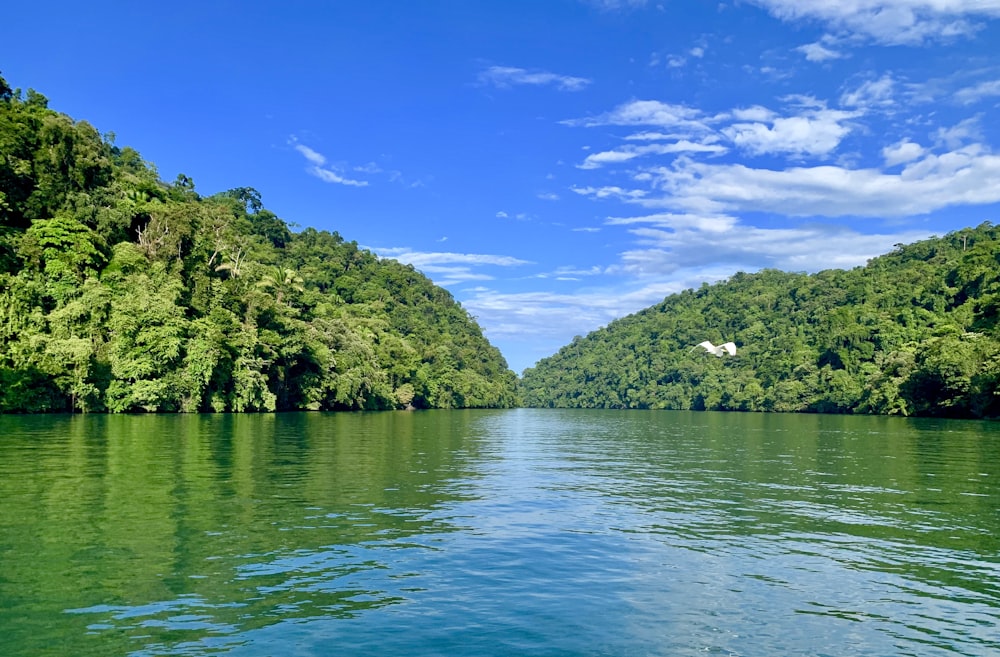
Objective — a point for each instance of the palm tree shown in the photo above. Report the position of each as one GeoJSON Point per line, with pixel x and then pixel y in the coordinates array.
{"type": "Point", "coordinates": [282, 280]}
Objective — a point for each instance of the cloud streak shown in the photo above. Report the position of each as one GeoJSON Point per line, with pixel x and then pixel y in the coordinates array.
{"type": "Point", "coordinates": [449, 268]}
{"type": "Point", "coordinates": [978, 92]}
{"type": "Point", "coordinates": [505, 77]}
{"type": "Point", "coordinates": [626, 153]}
{"type": "Point", "coordinates": [318, 167]}
{"type": "Point", "coordinates": [422, 258]}
{"type": "Point", "coordinates": [669, 249]}
{"type": "Point", "coordinates": [648, 113]}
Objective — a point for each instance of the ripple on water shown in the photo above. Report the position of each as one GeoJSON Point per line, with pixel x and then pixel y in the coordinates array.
{"type": "Point", "coordinates": [500, 532]}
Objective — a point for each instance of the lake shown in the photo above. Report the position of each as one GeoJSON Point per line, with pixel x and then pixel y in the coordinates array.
{"type": "Point", "coordinates": [515, 532]}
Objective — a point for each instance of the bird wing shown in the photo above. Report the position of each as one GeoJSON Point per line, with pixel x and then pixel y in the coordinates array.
{"type": "Point", "coordinates": [730, 347]}
{"type": "Point", "coordinates": [708, 346]}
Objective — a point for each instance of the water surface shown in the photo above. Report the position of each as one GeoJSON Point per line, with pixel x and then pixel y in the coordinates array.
{"type": "Point", "coordinates": [522, 532]}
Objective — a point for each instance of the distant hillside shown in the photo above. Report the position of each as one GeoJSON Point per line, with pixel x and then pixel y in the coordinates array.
{"type": "Point", "coordinates": [120, 292]}
{"type": "Point", "coordinates": [912, 333]}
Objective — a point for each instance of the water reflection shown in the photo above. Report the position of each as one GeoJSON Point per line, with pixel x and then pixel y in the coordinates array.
{"type": "Point", "coordinates": [150, 529]}
{"type": "Point", "coordinates": [878, 521]}
{"type": "Point", "coordinates": [506, 532]}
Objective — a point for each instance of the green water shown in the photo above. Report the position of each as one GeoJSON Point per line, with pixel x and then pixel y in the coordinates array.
{"type": "Point", "coordinates": [522, 532]}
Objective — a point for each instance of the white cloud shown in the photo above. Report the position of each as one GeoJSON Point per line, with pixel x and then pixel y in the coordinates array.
{"type": "Point", "coordinates": [813, 130]}
{"type": "Point", "coordinates": [422, 259]}
{"type": "Point", "coordinates": [648, 113]}
{"type": "Point", "coordinates": [749, 248]}
{"type": "Point", "coordinates": [817, 52]}
{"type": "Point", "coordinates": [501, 215]}
{"type": "Point", "coordinates": [871, 93]}
{"type": "Point", "coordinates": [610, 191]}
{"type": "Point", "coordinates": [445, 275]}
{"type": "Point", "coordinates": [548, 314]}
{"type": "Point", "coordinates": [803, 101]}
{"type": "Point", "coordinates": [596, 160]}
{"type": "Point", "coordinates": [978, 92]}
{"type": "Point", "coordinates": [317, 167]}
{"type": "Point", "coordinates": [548, 196]}
{"type": "Point", "coordinates": [504, 77]}
{"type": "Point", "coordinates": [811, 133]}
{"type": "Point", "coordinates": [960, 170]}
{"type": "Point", "coordinates": [575, 271]}
{"type": "Point", "coordinates": [903, 151]}
{"type": "Point", "coordinates": [616, 5]}
{"type": "Point", "coordinates": [708, 223]}
{"type": "Point", "coordinates": [772, 72]}
{"type": "Point", "coordinates": [959, 135]}
{"type": "Point", "coordinates": [327, 175]}
{"type": "Point", "coordinates": [754, 113]}
{"type": "Point", "coordinates": [960, 177]}
{"type": "Point", "coordinates": [890, 22]}
{"type": "Point", "coordinates": [311, 155]}
{"type": "Point", "coordinates": [653, 136]}
{"type": "Point", "coordinates": [447, 268]}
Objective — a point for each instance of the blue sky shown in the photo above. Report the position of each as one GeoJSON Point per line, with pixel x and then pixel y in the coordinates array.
{"type": "Point", "coordinates": [555, 164]}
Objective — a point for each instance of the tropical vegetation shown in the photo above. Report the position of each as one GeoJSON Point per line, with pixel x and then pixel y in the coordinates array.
{"type": "Point", "coordinates": [914, 332]}
{"type": "Point", "coordinates": [120, 292]}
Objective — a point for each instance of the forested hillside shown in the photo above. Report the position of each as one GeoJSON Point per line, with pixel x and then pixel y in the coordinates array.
{"type": "Point", "coordinates": [119, 292]}
{"type": "Point", "coordinates": [912, 333]}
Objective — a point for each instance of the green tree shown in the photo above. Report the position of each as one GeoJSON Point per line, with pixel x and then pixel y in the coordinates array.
{"type": "Point", "coordinates": [126, 293]}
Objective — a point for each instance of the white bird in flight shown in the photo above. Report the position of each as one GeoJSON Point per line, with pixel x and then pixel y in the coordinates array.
{"type": "Point", "coordinates": [718, 351]}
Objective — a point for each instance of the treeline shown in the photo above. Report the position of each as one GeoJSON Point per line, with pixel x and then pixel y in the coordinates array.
{"type": "Point", "coordinates": [121, 293]}
{"type": "Point", "coordinates": [912, 333]}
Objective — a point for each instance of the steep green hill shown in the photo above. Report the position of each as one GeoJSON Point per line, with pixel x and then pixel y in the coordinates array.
{"type": "Point", "coordinates": [119, 292]}
{"type": "Point", "coordinates": [913, 333]}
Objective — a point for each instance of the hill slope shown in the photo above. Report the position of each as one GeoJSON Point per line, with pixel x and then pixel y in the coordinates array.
{"type": "Point", "coordinates": [914, 333]}
{"type": "Point", "coordinates": [119, 292]}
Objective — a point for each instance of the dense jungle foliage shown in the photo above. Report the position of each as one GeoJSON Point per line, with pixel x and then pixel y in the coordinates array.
{"type": "Point", "coordinates": [912, 333]}
{"type": "Point", "coordinates": [119, 292]}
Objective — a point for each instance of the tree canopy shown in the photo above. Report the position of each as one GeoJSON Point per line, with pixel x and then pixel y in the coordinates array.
{"type": "Point", "coordinates": [120, 292]}
{"type": "Point", "coordinates": [913, 332]}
